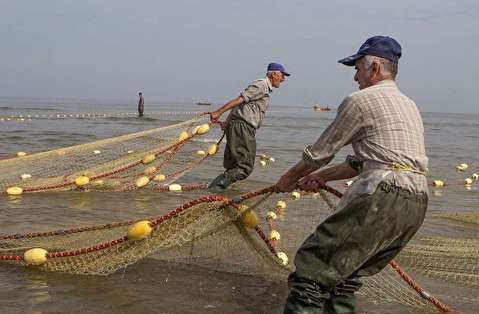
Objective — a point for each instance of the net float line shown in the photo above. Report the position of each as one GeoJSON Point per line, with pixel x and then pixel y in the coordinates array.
{"type": "Point", "coordinates": [155, 223]}
{"type": "Point", "coordinates": [89, 115]}
{"type": "Point", "coordinates": [175, 147]}
{"type": "Point", "coordinates": [111, 164]}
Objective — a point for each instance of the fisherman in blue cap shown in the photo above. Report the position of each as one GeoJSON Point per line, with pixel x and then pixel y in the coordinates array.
{"type": "Point", "coordinates": [246, 116]}
{"type": "Point", "coordinates": [384, 207]}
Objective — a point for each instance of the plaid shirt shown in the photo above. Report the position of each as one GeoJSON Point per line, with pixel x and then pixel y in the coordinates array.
{"type": "Point", "coordinates": [384, 127]}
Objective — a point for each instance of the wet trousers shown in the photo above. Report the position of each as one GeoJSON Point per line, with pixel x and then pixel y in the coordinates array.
{"type": "Point", "coordinates": [358, 240]}
{"type": "Point", "coordinates": [240, 153]}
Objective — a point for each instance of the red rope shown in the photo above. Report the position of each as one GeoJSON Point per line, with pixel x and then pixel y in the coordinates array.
{"type": "Point", "coordinates": [266, 240]}
{"type": "Point", "coordinates": [11, 258]}
{"type": "Point", "coordinates": [175, 146]}
{"type": "Point", "coordinates": [226, 202]}
{"type": "Point", "coordinates": [443, 307]}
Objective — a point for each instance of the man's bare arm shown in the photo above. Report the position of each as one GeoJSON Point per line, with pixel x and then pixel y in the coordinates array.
{"type": "Point", "coordinates": [337, 172]}
{"type": "Point", "coordinates": [289, 180]}
{"type": "Point", "coordinates": [313, 181]}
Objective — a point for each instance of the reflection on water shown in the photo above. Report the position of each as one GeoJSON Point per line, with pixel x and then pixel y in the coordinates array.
{"type": "Point", "coordinates": [15, 201]}
{"type": "Point", "coordinates": [144, 203]}
{"type": "Point", "coordinates": [81, 201]}
{"type": "Point", "coordinates": [36, 283]}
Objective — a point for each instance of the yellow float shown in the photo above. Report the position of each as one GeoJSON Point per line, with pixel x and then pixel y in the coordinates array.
{"type": "Point", "coordinates": [281, 205]}
{"type": "Point", "coordinates": [148, 158]}
{"type": "Point", "coordinates": [140, 230]}
{"type": "Point", "coordinates": [274, 235]}
{"type": "Point", "coordinates": [82, 180]}
{"type": "Point", "coordinates": [159, 178]}
{"type": "Point", "coordinates": [271, 215]}
{"type": "Point", "coordinates": [200, 152]}
{"type": "Point", "coordinates": [26, 176]}
{"type": "Point", "coordinates": [21, 154]}
{"type": "Point", "coordinates": [250, 219]}
{"type": "Point", "coordinates": [142, 181]}
{"type": "Point", "coordinates": [283, 257]}
{"type": "Point", "coordinates": [459, 168]}
{"type": "Point", "coordinates": [35, 257]}
{"type": "Point", "coordinates": [438, 183]}
{"type": "Point", "coordinates": [475, 176]}
{"type": "Point", "coordinates": [98, 183]}
{"type": "Point", "coordinates": [295, 195]}
{"type": "Point", "coordinates": [204, 128]}
{"type": "Point", "coordinates": [96, 152]}
{"type": "Point", "coordinates": [150, 170]}
{"type": "Point", "coordinates": [468, 181]}
{"type": "Point", "coordinates": [262, 163]}
{"type": "Point", "coordinates": [14, 190]}
{"type": "Point", "coordinates": [183, 136]}
{"type": "Point", "coordinates": [195, 129]}
{"type": "Point", "coordinates": [464, 166]}
{"type": "Point", "coordinates": [174, 188]}
{"type": "Point", "coordinates": [213, 149]}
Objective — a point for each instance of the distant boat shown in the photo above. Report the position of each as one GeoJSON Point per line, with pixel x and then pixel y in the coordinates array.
{"type": "Point", "coordinates": [203, 103]}
{"type": "Point", "coordinates": [318, 107]}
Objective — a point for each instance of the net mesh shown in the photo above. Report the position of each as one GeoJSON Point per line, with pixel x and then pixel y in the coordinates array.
{"type": "Point", "coordinates": [158, 157]}
{"type": "Point", "coordinates": [210, 231]}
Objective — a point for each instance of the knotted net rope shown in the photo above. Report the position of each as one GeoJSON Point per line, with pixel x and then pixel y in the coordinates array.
{"type": "Point", "coordinates": [210, 231]}
{"type": "Point", "coordinates": [215, 232]}
{"type": "Point", "coordinates": [149, 159]}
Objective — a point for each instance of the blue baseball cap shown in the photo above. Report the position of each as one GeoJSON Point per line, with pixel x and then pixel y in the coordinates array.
{"type": "Point", "coordinates": [379, 46]}
{"type": "Point", "coordinates": [277, 67]}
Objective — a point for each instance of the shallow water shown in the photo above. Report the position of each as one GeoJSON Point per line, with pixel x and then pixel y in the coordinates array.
{"type": "Point", "coordinates": [150, 286]}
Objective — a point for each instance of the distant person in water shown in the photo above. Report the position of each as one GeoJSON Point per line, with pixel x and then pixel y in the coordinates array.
{"type": "Point", "coordinates": [141, 105]}
{"type": "Point", "coordinates": [247, 113]}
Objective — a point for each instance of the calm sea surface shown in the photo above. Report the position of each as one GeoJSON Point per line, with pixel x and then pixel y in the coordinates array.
{"type": "Point", "coordinates": [148, 286]}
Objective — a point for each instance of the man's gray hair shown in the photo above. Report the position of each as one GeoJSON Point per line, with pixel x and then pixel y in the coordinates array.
{"type": "Point", "coordinates": [388, 67]}
{"type": "Point", "coordinates": [271, 72]}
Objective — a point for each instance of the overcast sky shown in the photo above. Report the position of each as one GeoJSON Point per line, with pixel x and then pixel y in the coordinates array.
{"type": "Point", "coordinates": [185, 51]}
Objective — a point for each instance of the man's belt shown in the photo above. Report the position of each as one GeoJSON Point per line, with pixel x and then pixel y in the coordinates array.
{"type": "Point", "coordinates": [394, 166]}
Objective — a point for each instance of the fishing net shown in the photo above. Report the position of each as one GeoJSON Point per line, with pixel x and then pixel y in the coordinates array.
{"type": "Point", "coordinates": [149, 159]}
{"type": "Point", "coordinates": [254, 233]}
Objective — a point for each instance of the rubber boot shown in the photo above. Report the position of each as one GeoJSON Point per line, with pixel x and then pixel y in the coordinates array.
{"type": "Point", "coordinates": [221, 182]}
{"type": "Point", "coordinates": [342, 300]}
{"type": "Point", "coordinates": [305, 297]}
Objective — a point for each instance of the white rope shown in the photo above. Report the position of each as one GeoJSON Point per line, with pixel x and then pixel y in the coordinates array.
{"type": "Point", "coordinates": [56, 116]}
